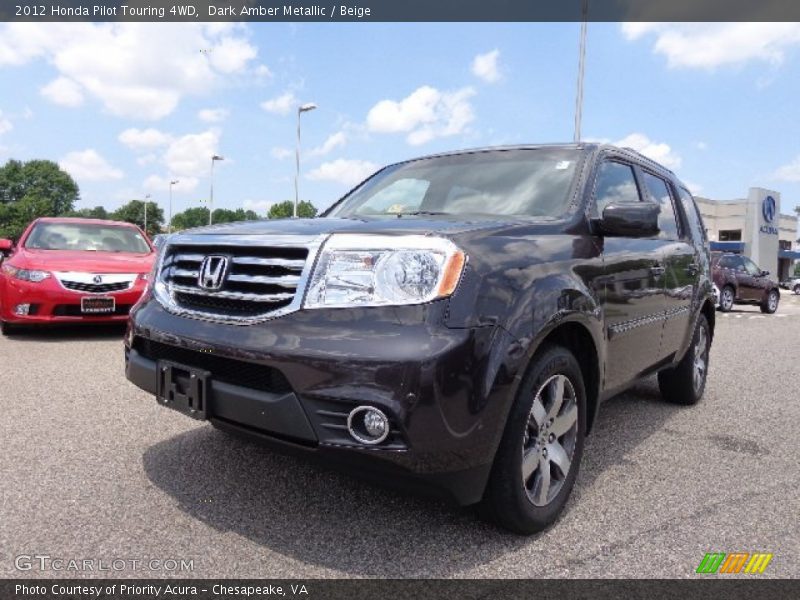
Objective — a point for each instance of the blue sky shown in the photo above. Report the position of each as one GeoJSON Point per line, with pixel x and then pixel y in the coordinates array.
{"type": "Point", "coordinates": [126, 107]}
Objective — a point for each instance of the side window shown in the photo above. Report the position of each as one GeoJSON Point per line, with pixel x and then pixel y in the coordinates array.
{"type": "Point", "coordinates": [727, 262]}
{"type": "Point", "coordinates": [751, 267]}
{"type": "Point", "coordinates": [692, 215]}
{"type": "Point", "coordinates": [615, 183]}
{"type": "Point", "coordinates": [659, 192]}
{"type": "Point", "coordinates": [737, 264]}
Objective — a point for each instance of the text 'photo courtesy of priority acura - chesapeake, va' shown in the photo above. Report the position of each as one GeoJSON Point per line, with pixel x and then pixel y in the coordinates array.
{"type": "Point", "coordinates": [452, 324]}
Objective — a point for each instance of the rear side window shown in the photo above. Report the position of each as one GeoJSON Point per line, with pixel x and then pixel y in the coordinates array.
{"type": "Point", "coordinates": [728, 262]}
{"type": "Point", "coordinates": [659, 192]}
{"type": "Point", "coordinates": [696, 226]}
{"type": "Point", "coordinates": [615, 183]}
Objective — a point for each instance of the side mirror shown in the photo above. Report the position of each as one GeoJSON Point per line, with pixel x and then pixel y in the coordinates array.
{"type": "Point", "coordinates": [6, 246]}
{"type": "Point", "coordinates": [630, 219]}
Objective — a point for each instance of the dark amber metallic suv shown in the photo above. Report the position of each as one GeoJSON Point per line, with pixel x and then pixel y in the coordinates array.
{"type": "Point", "coordinates": [453, 322]}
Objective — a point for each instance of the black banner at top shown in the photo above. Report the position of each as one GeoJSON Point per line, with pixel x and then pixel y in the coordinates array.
{"type": "Point", "coordinates": [400, 10]}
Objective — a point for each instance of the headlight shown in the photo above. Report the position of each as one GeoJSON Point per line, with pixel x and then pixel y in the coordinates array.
{"type": "Point", "coordinates": [378, 270]}
{"type": "Point", "coordinates": [25, 274]}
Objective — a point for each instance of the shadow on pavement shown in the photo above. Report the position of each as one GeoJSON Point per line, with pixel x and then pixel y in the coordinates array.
{"type": "Point", "coordinates": [332, 520]}
{"type": "Point", "coordinates": [78, 332]}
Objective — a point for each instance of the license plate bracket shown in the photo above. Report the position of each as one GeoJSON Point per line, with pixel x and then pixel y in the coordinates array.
{"type": "Point", "coordinates": [98, 305]}
{"type": "Point", "coordinates": [183, 388]}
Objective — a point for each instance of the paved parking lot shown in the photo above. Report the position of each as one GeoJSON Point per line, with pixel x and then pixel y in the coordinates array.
{"type": "Point", "coordinates": [92, 468]}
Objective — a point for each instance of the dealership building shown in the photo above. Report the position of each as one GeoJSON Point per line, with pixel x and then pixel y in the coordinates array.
{"type": "Point", "coordinates": [754, 227]}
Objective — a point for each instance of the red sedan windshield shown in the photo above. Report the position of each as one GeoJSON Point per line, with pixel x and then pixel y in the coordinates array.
{"type": "Point", "coordinates": [86, 236]}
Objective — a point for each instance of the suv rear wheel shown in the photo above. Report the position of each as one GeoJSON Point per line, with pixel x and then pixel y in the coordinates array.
{"type": "Point", "coordinates": [686, 382]}
{"type": "Point", "coordinates": [538, 458]}
{"type": "Point", "coordinates": [726, 298]}
{"type": "Point", "coordinates": [797, 289]}
{"type": "Point", "coordinates": [771, 304]}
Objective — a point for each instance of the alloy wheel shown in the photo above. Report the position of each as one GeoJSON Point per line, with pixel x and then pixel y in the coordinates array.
{"type": "Point", "coordinates": [700, 359]}
{"type": "Point", "coordinates": [772, 301]}
{"type": "Point", "coordinates": [726, 301]}
{"type": "Point", "coordinates": [549, 440]}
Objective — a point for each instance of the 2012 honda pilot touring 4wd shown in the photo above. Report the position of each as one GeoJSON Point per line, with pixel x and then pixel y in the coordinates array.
{"type": "Point", "coordinates": [454, 322]}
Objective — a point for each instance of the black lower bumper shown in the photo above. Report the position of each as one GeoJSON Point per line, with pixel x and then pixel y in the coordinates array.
{"type": "Point", "coordinates": [280, 420]}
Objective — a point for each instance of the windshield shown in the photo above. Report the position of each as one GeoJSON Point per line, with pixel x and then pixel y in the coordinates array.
{"type": "Point", "coordinates": [530, 182]}
{"type": "Point", "coordinates": [86, 236]}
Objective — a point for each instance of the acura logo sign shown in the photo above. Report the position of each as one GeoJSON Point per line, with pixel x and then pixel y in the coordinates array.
{"type": "Point", "coordinates": [97, 279]}
{"type": "Point", "coordinates": [769, 208]}
{"type": "Point", "coordinates": [212, 272]}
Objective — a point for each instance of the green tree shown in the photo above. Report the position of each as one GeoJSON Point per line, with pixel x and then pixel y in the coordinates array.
{"type": "Point", "coordinates": [32, 189]}
{"type": "Point", "coordinates": [224, 215]}
{"type": "Point", "coordinates": [133, 212]}
{"type": "Point", "coordinates": [285, 209]}
{"type": "Point", "coordinates": [191, 217]}
{"type": "Point", "coordinates": [98, 212]}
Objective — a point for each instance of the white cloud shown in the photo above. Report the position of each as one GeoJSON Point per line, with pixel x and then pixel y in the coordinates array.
{"type": "Point", "coordinates": [190, 155]}
{"type": "Point", "coordinates": [694, 187]}
{"type": "Point", "coordinates": [63, 91]}
{"type": "Point", "coordinates": [146, 159]}
{"type": "Point", "coordinates": [344, 171]}
{"type": "Point", "coordinates": [263, 72]}
{"type": "Point", "coordinates": [485, 67]}
{"type": "Point", "coordinates": [789, 172]}
{"type": "Point", "coordinates": [281, 153]}
{"type": "Point", "coordinates": [158, 183]}
{"type": "Point", "coordinates": [701, 145]}
{"type": "Point", "coordinates": [259, 206]}
{"type": "Point", "coordinates": [212, 115]}
{"type": "Point", "coordinates": [280, 105]}
{"type": "Point", "coordinates": [334, 141]}
{"type": "Point", "coordinates": [144, 139]}
{"type": "Point", "coordinates": [658, 151]}
{"type": "Point", "coordinates": [89, 165]}
{"type": "Point", "coordinates": [425, 114]}
{"type": "Point", "coordinates": [710, 45]}
{"type": "Point", "coordinates": [5, 124]}
{"type": "Point", "coordinates": [139, 70]}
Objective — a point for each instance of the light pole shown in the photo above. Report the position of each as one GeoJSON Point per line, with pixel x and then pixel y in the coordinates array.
{"type": "Point", "coordinates": [300, 110]}
{"type": "Point", "coordinates": [171, 183]}
{"type": "Point", "coordinates": [581, 61]}
{"type": "Point", "coordinates": [146, 198]}
{"type": "Point", "coordinates": [211, 195]}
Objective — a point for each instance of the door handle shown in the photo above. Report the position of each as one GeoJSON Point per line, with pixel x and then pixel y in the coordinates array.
{"type": "Point", "coordinates": [657, 270]}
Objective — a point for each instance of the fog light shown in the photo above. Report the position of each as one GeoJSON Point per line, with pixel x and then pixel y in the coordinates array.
{"type": "Point", "coordinates": [368, 425]}
{"type": "Point", "coordinates": [22, 309]}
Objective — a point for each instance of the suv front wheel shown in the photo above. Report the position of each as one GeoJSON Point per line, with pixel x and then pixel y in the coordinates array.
{"type": "Point", "coordinates": [538, 458]}
{"type": "Point", "coordinates": [771, 304]}
{"type": "Point", "coordinates": [726, 298]}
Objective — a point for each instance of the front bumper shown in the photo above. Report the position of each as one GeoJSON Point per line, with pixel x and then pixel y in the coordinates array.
{"type": "Point", "coordinates": [51, 303]}
{"type": "Point", "coordinates": [293, 381]}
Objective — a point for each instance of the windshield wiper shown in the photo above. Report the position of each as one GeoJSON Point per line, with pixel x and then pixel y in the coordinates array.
{"type": "Point", "coordinates": [422, 212]}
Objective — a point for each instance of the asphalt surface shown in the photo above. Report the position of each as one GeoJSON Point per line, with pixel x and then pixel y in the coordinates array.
{"type": "Point", "coordinates": [93, 469]}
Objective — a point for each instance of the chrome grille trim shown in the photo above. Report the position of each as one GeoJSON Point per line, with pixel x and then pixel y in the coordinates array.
{"type": "Point", "coordinates": [184, 265]}
{"type": "Point", "coordinates": [83, 283]}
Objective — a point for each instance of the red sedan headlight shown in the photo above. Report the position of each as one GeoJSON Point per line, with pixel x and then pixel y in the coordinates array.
{"type": "Point", "coordinates": [31, 275]}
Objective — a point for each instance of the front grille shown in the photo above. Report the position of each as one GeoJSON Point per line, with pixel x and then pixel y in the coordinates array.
{"type": "Point", "coordinates": [74, 310]}
{"type": "Point", "coordinates": [258, 281]}
{"type": "Point", "coordinates": [96, 288]}
{"type": "Point", "coordinates": [228, 370]}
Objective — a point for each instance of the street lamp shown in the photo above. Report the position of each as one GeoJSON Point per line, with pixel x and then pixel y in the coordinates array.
{"type": "Point", "coordinates": [171, 183]}
{"type": "Point", "coordinates": [300, 110]}
{"type": "Point", "coordinates": [211, 195]}
{"type": "Point", "coordinates": [146, 198]}
{"type": "Point", "coordinates": [581, 66]}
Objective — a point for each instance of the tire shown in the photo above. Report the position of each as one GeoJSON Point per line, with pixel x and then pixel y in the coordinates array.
{"type": "Point", "coordinates": [796, 289]}
{"type": "Point", "coordinates": [727, 295]}
{"type": "Point", "coordinates": [6, 328]}
{"type": "Point", "coordinates": [542, 431]}
{"type": "Point", "coordinates": [771, 304]}
{"type": "Point", "coordinates": [686, 382]}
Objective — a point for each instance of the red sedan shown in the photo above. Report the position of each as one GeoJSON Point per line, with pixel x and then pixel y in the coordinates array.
{"type": "Point", "coordinates": [73, 270]}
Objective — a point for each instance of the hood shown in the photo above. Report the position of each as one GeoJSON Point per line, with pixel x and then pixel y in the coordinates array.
{"type": "Point", "coordinates": [446, 225]}
{"type": "Point", "coordinates": [83, 261]}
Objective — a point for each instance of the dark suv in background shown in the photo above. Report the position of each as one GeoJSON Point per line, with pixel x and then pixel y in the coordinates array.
{"type": "Point", "coordinates": [741, 281]}
{"type": "Point", "coordinates": [453, 323]}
